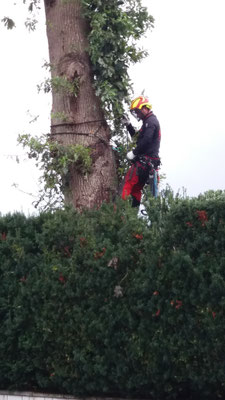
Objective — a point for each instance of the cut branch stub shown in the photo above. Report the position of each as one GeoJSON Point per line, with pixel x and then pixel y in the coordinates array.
{"type": "Point", "coordinates": [72, 66]}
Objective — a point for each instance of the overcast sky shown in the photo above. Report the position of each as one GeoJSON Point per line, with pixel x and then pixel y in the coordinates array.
{"type": "Point", "coordinates": [183, 77]}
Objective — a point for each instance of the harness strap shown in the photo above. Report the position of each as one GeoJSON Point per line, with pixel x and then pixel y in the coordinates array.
{"type": "Point", "coordinates": [131, 172]}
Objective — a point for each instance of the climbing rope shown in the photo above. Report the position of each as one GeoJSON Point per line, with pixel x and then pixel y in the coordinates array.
{"type": "Point", "coordinates": [95, 134]}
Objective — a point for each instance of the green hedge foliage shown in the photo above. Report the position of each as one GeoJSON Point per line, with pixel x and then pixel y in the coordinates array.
{"type": "Point", "coordinates": [107, 303]}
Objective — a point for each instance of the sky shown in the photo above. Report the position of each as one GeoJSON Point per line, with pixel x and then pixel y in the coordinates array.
{"type": "Point", "coordinates": [183, 76]}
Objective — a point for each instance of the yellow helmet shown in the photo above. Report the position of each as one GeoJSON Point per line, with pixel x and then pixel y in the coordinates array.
{"type": "Point", "coordinates": [140, 102]}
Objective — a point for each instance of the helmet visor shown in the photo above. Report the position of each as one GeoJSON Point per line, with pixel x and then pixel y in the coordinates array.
{"type": "Point", "coordinates": [136, 113]}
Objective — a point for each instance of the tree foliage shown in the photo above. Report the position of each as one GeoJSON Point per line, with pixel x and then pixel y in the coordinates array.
{"type": "Point", "coordinates": [54, 161]}
{"type": "Point", "coordinates": [115, 29]}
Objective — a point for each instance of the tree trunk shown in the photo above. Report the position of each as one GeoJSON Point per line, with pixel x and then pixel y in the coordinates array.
{"type": "Point", "coordinates": [85, 124]}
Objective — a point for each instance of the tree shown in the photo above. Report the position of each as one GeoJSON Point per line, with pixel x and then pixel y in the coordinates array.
{"type": "Point", "coordinates": [85, 124]}
{"type": "Point", "coordinates": [91, 45]}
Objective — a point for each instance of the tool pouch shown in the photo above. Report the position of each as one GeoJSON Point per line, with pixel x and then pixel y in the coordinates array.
{"type": "Point", "coordinates": [142, 172]}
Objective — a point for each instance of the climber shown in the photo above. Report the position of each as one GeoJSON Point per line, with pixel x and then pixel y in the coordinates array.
{"type": "Point", "coordinates": [146, 150]}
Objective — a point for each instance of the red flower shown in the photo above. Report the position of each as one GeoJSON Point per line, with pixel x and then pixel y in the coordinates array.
{"type": "Point", "coordinates": [100, 254]}
{"type": "Point", "coordinates": [179, 304]}
{"type": "Point", "coordinates": [138, 236]}
{"type": "Point", "coordinates": [157, 313]}
{"type": "Point", "coordinates": [213, 314]}
{"type": "Point", "coordinates": [3, 237]}
{"type": "Point", "coordinates": [67, 251]}
{"type": "Point", "coordinates": [202, 216]}
{"type": "Point", "coordinates": [156, 293]}
{"type": "Point", "coordinates": [189, 224]}
{"type": "Point", "coordinates": [83, 241]}
{"type": "Point", "coordinates": [62, 279]}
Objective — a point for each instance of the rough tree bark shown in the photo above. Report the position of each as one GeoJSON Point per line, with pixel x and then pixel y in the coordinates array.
{"type": "Point", "coordinates": [67, 38]}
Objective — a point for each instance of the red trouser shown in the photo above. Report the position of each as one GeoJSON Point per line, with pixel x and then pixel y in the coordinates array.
{"type": "Point", "coordinates": [132, 185]}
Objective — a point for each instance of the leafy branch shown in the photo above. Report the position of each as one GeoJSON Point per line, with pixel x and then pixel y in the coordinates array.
{"type": "Point", "coordinates": [8, 22]}
{"type": "Point", "coordinates": [60, 84]}
{"type": "Point", "coordinates": [55, 161]}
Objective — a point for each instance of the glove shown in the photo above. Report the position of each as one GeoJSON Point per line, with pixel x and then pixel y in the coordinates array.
{"type": "Point", "coordinates": [130, 155]}
{"type": "Point", "coordinates": [125, 120]}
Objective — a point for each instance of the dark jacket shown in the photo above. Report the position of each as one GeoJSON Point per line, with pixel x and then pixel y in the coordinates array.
{"type": "Point", "coordinates": [149, 137]}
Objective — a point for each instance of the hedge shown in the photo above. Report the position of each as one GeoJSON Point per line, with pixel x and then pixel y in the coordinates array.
{"type": "Point", "coordinates": [107, 303]}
